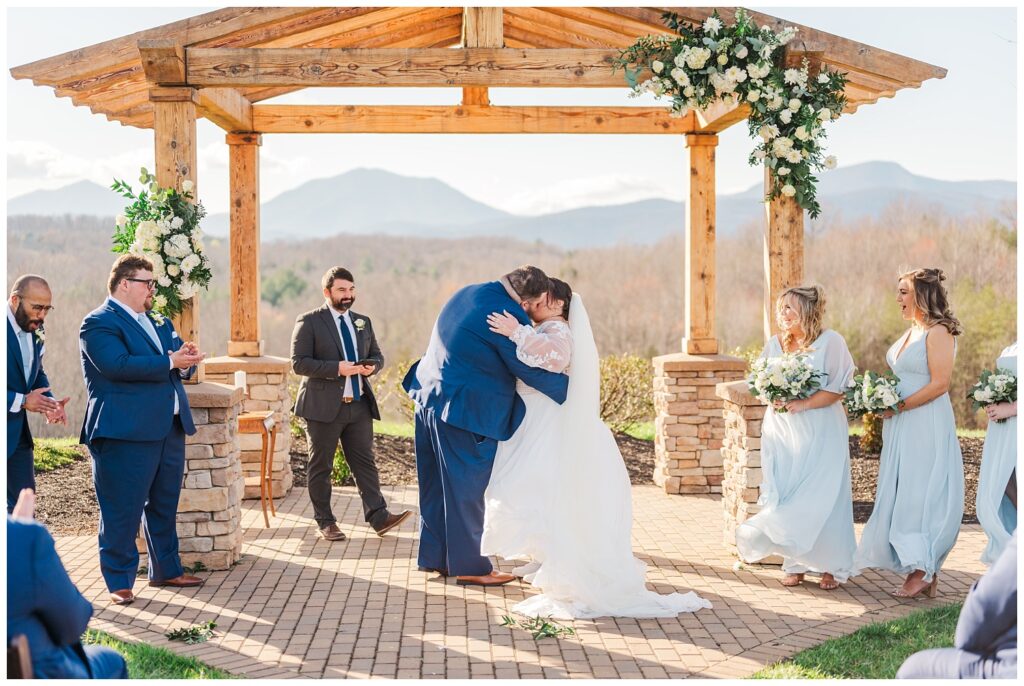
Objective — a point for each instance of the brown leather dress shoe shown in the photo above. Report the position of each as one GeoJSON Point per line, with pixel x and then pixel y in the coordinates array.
{"type": "Point", "coordinates": [331, 532]}
{"type": "Point", "coordinates": [122, 597]}
{"type": "Point", "coordinates": [392, 521]}
{"type": "Point", "coordinates": [492, 579]}
{"type": "Point", "coordinates": [183, 581]}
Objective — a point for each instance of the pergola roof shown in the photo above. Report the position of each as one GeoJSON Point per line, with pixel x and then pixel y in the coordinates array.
{"type": "Point", "coordinates": [110, 78]}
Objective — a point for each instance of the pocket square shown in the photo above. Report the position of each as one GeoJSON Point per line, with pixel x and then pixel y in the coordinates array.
{"type": "Point", "coordinates": [175, 335]}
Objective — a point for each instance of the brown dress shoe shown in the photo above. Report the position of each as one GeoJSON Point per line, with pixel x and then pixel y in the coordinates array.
{"type": "Point", "coordinates": [492, 579]}
{"type": "Point", "coordinates": [183, 581]}
{"type": "Point", "coordinates": [392, 521]}
{"type": "Point", "coordinates": [331, 532]}
{"type": "Point", "coordinates": [122, 597]}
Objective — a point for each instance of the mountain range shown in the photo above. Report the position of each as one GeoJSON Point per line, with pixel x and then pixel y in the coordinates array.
{"type": "Point", "coordinates": [371, 201]}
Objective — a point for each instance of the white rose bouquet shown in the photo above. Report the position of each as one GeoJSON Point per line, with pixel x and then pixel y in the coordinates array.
{"type": "Point", "coordinates": [783, 378]}
{"type": "Point", "coordinates": [871, 393]}
{"type": "Point", "coordinates": [994, 387]}
{"type": "Point", "coordinates": [162, 225]}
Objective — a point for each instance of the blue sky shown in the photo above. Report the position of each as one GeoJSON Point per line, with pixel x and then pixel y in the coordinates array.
{"type": "Point", "coordinates": [961, 127]}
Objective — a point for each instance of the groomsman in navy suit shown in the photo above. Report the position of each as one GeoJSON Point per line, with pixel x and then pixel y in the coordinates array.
{"type": "Point", "coordinates": [28, 389]}
{"type": "Point", "coordinates": [135, 425]}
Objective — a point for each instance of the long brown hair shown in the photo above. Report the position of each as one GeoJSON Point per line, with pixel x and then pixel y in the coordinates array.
{"type": "Point", "coordinates": [931, 298]}
{"type": "Point", "coordinates": [810, 303]}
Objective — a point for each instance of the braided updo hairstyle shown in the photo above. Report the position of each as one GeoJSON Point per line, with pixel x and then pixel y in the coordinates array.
{"type": "Point", "coordinates": [931, 298]}
{"type": "Point", "coordinates": [809, 301]}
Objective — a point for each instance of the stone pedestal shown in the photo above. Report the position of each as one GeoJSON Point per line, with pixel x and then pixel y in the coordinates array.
{"type": "Point", "coordinates": [210, 506]}
{"type": "Point", "coordinates": [741, 458]}
{"type": "Point", "coordinates": [688, 422]}
{"type": "Point", "coordinates": [266, 380]}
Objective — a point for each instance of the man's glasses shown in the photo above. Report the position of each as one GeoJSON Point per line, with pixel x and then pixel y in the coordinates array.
{"type": "Point", "coordinates": [150, 283]}
{"type": "Point", "coordinates": [38, 309]}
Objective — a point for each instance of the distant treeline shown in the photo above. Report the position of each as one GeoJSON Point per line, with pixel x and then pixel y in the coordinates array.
{"type": "Point", "coordinates": [634, 293]}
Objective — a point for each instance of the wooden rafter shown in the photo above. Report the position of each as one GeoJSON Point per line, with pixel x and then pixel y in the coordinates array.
{"type": "Point", "coordinates": [466, 119]}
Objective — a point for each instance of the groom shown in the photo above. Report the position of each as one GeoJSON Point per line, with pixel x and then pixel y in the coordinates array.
{"type": "Point", "coordinates": [464, 389]}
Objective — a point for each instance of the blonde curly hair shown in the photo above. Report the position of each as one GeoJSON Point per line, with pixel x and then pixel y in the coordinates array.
{"type": "Point", "coordinates": [809, 302]}
{"type": "Point", "coordinates": [931, 298]}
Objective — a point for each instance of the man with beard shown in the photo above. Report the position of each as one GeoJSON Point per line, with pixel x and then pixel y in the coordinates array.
{"type": "Point", "coordinates": [28, 389]}
{"type": "Point", "coordinates": [334, 350]}
{"type": "Point", "coordinates": [135, 425]}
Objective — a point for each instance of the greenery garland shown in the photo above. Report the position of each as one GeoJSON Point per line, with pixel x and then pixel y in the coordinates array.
{"type": "Point", "coordinates": [162, 225]}
{"type": "Point", "coordinates": [741, 63]}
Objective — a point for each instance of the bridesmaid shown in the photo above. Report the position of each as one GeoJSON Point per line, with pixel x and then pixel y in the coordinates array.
{"type": "Point", "coordinates": [920, 497]}
{"type": "Point", "coordinates": [807, 514]}
{"type": "Point", "coordinates": [996, 504]}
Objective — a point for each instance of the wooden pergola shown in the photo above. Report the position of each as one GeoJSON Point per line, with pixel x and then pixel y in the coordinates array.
{"type": "Point", "coordinates": [221, 65]}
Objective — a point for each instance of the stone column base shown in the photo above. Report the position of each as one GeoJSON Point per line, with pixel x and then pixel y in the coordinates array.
{"type": "Point", "coordinates": [688, 422]}
{"type": "Point", "coordinates": [266, 380]}
{"type": "Point", "coordinates": [741, 459]}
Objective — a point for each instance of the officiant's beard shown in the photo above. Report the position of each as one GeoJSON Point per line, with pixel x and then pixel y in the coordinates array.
{"type": "Point", "coordinates": [24, 319]}
{"type": "Point", "coordinates": [343, 304]}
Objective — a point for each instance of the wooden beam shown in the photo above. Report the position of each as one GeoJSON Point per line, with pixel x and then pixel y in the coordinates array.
{"type": "Point", "coordinates": [540, 21]}
{"type": "Point", "coordinates": [480, 97]}
{"type": "Point", "coordinates": [718, 116]}
{"type": "Point", "coordinates": [783, 251]}
{"type": "Point", "coordinates": [244, 278]}
{"type": "Point", "coordinates": [430, 67]}
{"type": "Point", "coordinates": [163, 61]}
{"type": "Point", "coordinates": [466, 119]}
{"type": "Point", "coordinates": [481, 28]}
{"type": "Point", "coordinates": [225, 107]}
{"type": "Point", "coordinates": [699, 324]}
{"type": "Point", "coordinates": [174, 112]}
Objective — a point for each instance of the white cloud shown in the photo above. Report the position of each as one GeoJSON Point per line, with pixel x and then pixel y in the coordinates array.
{"type": "Point", "coordinates": [582, 192]}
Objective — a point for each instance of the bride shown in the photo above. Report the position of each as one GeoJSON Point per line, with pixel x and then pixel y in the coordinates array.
{"type": "Point", "coordinates": [559, 493]}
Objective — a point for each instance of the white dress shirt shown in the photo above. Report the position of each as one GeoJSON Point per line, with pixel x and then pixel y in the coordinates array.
{"type": "Point", "coordinates": [147, 325]}
{"type": "Point", "coordinates": [27, 351]}
{"type": "Point", "coordinates": [347, 393]}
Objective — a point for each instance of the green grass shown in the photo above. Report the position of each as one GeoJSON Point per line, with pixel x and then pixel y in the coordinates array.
{"type": "Point", "coordinates": [402, 429]}
{"type": "Point", "coordinates": [643, 431]}
{"type": "Point", "coordinates": [54, 453]}
{"type": "Point", "coordinates": [147, 662]}
{"type": "Point", "coordinates": [873, 652]}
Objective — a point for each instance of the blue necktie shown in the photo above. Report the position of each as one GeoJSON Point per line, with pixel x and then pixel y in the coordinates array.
{"type": "Point", "coordinates": [350, 353]}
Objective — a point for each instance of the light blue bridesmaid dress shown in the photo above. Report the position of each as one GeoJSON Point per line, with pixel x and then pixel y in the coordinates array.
{"type": "Point", "coordinates": [807, 503]}
{"type": "Point", "coordinates": [919, 503]}
{"type": "Point", "coordinates": [997, 515]}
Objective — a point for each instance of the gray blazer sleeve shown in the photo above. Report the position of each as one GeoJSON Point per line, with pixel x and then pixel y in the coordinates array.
{"type": "Point", "coordinates": [991, 605]}
{"type": "Point", "coordinates": [303, 349]}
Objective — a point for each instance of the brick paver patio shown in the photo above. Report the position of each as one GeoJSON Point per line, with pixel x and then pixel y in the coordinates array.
{"type": "Point", "coordinates": [297, 606]}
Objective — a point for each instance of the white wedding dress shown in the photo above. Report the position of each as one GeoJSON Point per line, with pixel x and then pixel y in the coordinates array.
{"type": "Point", "coordinates": [559, 494]}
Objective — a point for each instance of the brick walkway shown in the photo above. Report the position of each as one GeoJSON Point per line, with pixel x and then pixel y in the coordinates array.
{"type": "Point", "coordinates": [297, 606]}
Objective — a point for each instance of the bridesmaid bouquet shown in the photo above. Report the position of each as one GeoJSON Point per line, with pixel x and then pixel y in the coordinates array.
{"type": "Point", "coordinates": [994, 387]}
{"type": "Point", "coordinates": [783, 378]}
{"type": "Point", "coordinates": [871, 393]}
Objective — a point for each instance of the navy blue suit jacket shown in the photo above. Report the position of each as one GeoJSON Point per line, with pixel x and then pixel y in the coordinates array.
{"type": "Point", "coordinates": [130, 383]}
{"type": "Point", "coordinates": [467, 377]}
{"type": "Point", "coordinates": [17, 383]}
{"type": "Point", "coordinates": [43, 603]}
{"type": "Point", "coordinates": [988, 619]}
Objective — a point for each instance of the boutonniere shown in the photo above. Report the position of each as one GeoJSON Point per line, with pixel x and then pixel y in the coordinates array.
{"type": "Point", "coordinates": [40, 335]}
{"type": "Point", "coordinates": [360, 324]}
{"type": "Point", "coordinates": [157, 318]}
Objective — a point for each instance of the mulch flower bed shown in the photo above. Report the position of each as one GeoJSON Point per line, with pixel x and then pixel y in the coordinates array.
{"type": "Point", "coordinates": [66, 500]}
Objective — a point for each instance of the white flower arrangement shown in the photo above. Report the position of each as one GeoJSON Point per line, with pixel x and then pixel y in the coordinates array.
{"type": "Point", "coordinates": [360, 324]}
{"type": "Point", "coordinates": [785, 378]}
{"type": "Point", "coordinates": [157, 318]}
{"type": "Point", "coordinates": [41, 335]}
{"type": "Point", "coordinates": [992, 388]}
{"type": "Point", "coordinates": [871, 393]}
{"type": "Point", "coordinates": [747, 67]}
{"type": "Point", "coordinates": [162, 225]}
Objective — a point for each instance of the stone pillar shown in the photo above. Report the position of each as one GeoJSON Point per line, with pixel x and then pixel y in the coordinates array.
{"type": "Point", "coordinates": [210, 507]}
{"type": "Point", "coordinates": [741, 458]}
{"type": "Point", "coordinates": [266, 389]}
{"type": "Point", "coordinates": [688, 423]}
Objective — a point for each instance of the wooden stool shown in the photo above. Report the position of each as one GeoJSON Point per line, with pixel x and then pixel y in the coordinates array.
{"type": "Point", "coordinates": [262, 423]}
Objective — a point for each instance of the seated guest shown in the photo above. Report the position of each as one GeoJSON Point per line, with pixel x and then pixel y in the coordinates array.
{"type": "Point", "coordinates": [44, 605]}
{"type": "Point", "coordinates": [985, 646]}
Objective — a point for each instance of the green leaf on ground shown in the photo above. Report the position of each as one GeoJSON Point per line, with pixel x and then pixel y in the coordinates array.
{"type": "Point", "coordinates": [197, 633]}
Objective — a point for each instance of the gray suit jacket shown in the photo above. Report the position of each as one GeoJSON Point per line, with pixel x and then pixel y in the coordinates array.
{"type": "Point", "coordinates": [988, 620]}
{"type": "Point", "coordinates": [316, 351]}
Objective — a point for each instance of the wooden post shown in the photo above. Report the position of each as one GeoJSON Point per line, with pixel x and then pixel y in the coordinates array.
{"type": "Point", "coordinates": [244, 288]}
{"type": "Point", "coordinates": [700, 248]}
{"type": "Point", "coordinates": [482, 27]}
{"type": "Point", "coordinates": [174, 118]}
{"type": "Point", "coordinates": [783, 251]}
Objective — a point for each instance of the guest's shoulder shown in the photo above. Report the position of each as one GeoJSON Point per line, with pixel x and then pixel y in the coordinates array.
{"type": "Point", "coordinates": [309, 314]}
